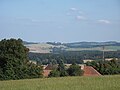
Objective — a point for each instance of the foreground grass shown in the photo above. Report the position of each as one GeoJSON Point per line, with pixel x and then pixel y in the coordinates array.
{"type": "Point", "coordinates": [65, 83]}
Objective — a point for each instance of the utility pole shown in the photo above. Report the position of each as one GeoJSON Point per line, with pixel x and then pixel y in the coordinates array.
{"type": "Point", "coordinates": [103, 53]}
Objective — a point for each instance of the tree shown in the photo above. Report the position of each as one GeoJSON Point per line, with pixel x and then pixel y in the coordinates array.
{"type": "Point", "coordinates": [54, 73]}
{"type": "Point", "coordinates": [75, 70]}
{"type": "Point", "coordinates": [61, 68]}
{"type": "Point", "coordinates": [106, 67]}
{"type": "Point", "coordinates": [60, 71]}
{"type": "Point", "coordinates": [14, 63]}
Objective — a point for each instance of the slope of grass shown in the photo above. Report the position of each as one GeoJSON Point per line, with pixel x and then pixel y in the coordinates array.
{"type": "Point", "coordinates": [65, 83]}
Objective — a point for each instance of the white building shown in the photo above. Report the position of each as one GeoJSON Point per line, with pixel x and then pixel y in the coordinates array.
{"type": "Point", "coordinates": [87, 60]}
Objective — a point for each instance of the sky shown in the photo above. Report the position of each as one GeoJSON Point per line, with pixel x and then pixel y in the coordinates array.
{"type": "Point", "coordinates": [60, 20]}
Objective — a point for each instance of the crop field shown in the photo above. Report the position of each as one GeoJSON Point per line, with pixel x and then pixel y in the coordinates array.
{"type": "Point", "coordinates": [40, 48]}
{"type": "Point", "coordinates": [64, 83]}
{"type": "Point", "coordinates": [107, 48]}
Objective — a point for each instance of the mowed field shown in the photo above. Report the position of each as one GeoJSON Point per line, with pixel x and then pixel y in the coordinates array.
{"type": "Point", "coordinates": [64, 83]}
{"type": "Point", "coordinates": [39, 48]}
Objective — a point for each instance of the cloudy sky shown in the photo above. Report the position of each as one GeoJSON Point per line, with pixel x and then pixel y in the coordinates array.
{"type": "Point", "coordinates": [60, 20]}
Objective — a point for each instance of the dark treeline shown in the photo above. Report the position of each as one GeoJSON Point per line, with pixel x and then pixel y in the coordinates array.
{"type": "Point", "coordinates": [72, 56]}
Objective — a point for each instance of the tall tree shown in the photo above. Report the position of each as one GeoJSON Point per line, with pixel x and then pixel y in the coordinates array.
{"type": "Point", "coordinates": [75, 70]}
{"type": "Point", "coordinates": [61, 68]}
{"type": "Point", "coordinates": [14, 63]}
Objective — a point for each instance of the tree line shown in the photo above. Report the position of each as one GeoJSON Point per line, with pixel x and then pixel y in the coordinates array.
{"type": "Point", "coordinates": [72, 56]}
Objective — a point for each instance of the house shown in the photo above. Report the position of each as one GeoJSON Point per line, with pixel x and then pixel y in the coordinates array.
{"type": "Point", "coordinates": [81, 65]}
{"type": "Point", "coordinates": [46, 73]}
{"type": "Point", "coordinates": [31, 61]}
{"type": "Point", "coordinates": [88, 70]}
{"type": "Point", "coordinates": [109, 59]}
{"type": "Point", "coordinates": [87, 60]}
{"type": "Point", "coordinates": [47, 69]}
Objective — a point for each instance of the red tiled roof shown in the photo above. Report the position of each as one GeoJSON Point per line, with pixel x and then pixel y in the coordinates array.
{"type": "Point", "coordinates": [49, 67]}
{"type": "Point", "coordinates": [90, 71]}
{"type": "Point", "coordinates": [46, 73]}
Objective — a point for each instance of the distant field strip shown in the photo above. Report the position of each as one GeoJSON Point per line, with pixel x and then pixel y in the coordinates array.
{"type": "Point", "coordinates": [47, 48]}
{"type": "Point", "coordinates": [40, 48]}
{"type": "Point", "coordinates": [64, 83]}
{"type": "Point", "coordinates": [107, 48]}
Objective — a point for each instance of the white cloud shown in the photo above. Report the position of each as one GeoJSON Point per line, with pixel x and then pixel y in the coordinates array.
{"type": "Point", "coordinates": [104, 21]}
{"type": "Point", "coordinates": [73, 9]}
{"type": "Point", "coordinates": [76, 10]}
{"type": "Point", "coordinates": [81, 18]}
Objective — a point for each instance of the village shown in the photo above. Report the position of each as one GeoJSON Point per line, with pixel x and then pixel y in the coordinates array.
{"type": "Point", "coordinates": [88, 70]}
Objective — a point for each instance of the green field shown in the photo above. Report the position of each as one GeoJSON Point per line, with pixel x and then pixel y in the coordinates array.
{"type": "Point", "coordinates": [107, 48]}
{"type": "Point", "coordinates": [65, 83]}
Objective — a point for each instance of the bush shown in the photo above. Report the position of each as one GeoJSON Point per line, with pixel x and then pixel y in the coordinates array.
{"type": "Point", "coordinates": [54, 73]}
{"type": "Point", "coordinates": [75, 70]}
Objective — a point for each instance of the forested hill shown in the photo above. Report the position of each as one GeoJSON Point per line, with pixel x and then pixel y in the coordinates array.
{"type": "Point", "coordinates": [92, 44]}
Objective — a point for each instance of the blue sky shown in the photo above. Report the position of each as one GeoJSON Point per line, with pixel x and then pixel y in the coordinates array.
{"type": "Point", "coordinates": [60, 20]}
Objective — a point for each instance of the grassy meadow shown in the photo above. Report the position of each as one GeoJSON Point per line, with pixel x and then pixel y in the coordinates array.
{"type": "Point", "coordinates": [64, 83]}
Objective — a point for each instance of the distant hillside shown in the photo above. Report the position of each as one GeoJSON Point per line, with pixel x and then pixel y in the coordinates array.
{"type": "Point", "coordinates": [91, 44]}
{"type": "Point", "coordinates": [25, 42]}
{"type": "Point", "coordinates": [57, 47]}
